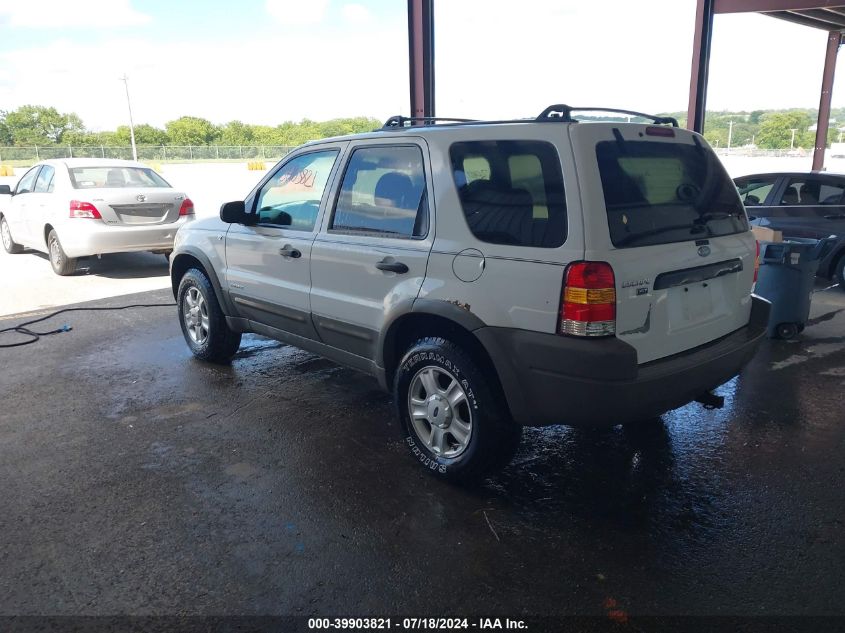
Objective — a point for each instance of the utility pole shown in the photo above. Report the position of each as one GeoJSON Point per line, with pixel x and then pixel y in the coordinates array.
{"type": "Point", "coordinates": [125, 81]}
{"type": "Point", "coordinates": [730, 132]}
{"type": "Point", "coordinates": [792, 140]}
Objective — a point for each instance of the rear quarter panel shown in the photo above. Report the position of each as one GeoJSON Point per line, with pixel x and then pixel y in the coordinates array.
{"type": "Point", "coordinates": [518, 286]}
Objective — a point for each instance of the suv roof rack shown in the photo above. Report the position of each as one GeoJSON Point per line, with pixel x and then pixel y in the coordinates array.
{"type": "Point", "coordinates": [563, 113]}
{"type": "Point", "coordinates": [401, 121]}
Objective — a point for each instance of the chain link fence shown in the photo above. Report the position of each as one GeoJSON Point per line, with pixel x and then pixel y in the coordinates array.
{"type": "Point", "coordinates": [159, 153]}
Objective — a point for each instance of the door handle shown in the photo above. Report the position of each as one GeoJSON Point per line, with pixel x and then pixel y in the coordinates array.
{"type": "Point", "coordinates": [835, 216]}
{"type": "Point", "coordinates": [392, 267]}
{"type": "Point", "coordinates": [289, 251]}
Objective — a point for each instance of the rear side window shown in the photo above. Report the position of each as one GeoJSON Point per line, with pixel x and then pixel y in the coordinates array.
{"type": "Point", "coordinates": [659, 193]}
{"type": "Point", "coordinates": [116, 177]}
{"type": "Point", "coordinates": [511, 192]}
{"type": "Point", "coordinates": [807, 192]}
{"type": "Point", "coordinates": [383, 193]}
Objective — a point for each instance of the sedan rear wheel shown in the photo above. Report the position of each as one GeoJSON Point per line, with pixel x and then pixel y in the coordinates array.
{"type": "Point", "coordinates": [61, 263]}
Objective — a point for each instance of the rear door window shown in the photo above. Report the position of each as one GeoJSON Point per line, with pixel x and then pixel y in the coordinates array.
{"type": "Point", "coordinates": [659, 193]}
{"type": "Point", "coordinates": [809, 191]}
{"type": "Point", "coordinates": [383, 193]}
{"type": "Point", "coordinates": [511, 192]}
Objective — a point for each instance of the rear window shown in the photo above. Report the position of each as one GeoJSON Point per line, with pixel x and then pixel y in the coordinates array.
{"type": "Point", "coordinates": [511, 192]}
{"type": "Point", "coordinates": [115, 177]}
{"type": "Point", "coordinates": [659, 193]}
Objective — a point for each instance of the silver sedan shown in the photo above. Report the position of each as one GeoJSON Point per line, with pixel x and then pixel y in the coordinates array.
{"type": "Point", "coordinates": [80, 207]}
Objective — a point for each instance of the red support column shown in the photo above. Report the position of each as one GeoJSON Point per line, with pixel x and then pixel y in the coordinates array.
{"type": "Point", "coordinates": [834, 40]}
{"type": "Point", "coordinates": [700, 65]}
{"type": "Point", "coordinates": [421, 56]}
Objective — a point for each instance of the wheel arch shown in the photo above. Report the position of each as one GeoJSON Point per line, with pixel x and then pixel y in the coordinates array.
{"type": "Point", "coordinates": [434, 318]}
{"type": "Point", "coordinates": [47, 228]}
{"type": "Point", "coordinates": [184, 261]}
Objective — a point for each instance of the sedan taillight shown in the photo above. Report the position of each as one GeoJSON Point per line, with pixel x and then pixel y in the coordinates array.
{"type": "Point", "coordinates": [187, 207]}
{"type": "Point", "coordinates": [84, 210]}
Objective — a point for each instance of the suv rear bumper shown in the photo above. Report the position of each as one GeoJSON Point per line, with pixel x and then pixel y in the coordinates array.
{"type": "Point", "coordinates": [551, 379]}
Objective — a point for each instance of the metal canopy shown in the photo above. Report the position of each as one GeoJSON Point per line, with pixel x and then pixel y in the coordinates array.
{"type": "Point", "coordinates": [828, 15]}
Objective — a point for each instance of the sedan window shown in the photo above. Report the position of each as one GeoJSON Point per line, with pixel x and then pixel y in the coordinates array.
{"type": "Point", "coordinates": [44, 182]}
{"type": "Point", "coordinates": [115, 177]}
{"type": "Point", "coordinates": [806, 192]}
{"type": "Point", "coordinates": [754, 192]}
{"type": "Point", "coordinates": [27, 182]}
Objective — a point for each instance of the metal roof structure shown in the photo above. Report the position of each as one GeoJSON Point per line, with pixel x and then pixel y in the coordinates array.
{"type": "Point", "coordinates": [828, 15]}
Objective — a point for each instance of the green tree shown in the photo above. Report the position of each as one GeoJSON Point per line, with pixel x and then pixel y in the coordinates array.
{"type": "Point", "coordinates": [39, 125]}
{"type": "Point", "coordinates": [144, 135]}
{"type": "Point", "coordinates": [190, 130]}
{"type": "Point", "coordinates": [236, 133]}
{"type": "Point", "coordinates": [776, 129]}
{"type": "Point", "coordinates": [5, 134]}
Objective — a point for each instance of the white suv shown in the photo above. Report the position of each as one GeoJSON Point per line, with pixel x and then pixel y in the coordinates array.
{"type": "Point", "coordinates": [490, 274]}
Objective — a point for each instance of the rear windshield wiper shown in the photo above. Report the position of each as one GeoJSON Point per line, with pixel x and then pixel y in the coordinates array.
{"type": "Point", "coordinates": [635, 237]}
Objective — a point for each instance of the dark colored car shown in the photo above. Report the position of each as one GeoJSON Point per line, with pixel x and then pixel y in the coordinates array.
{"type": "Point", "coordinates": [800, 204]}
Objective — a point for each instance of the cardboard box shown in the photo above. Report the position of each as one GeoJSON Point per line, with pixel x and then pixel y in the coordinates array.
{"type": "Point", "coordinates": [765, 234]}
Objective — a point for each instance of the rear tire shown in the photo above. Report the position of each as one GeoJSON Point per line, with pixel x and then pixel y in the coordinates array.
{"type": "Point", "coordinates": [11, 247]}
{"type": "Point", "coordinates": [61, 263]}
{"type": "Point", "coordinates": [840, 272]}
{"type": "Point", "coordinates": [453, 417]}
{"type": "Point", "coordinates": [203, 322]}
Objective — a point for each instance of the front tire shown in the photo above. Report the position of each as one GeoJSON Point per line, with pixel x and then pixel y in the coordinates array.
{"type": "Point", "coordinates": [453, 416]}
{"type": "Point", "coordinates": [11, 247]}
{"type": "Point", "coordinates": [203, 322]}
{"type": "Point", "coordinates": [61, 263]}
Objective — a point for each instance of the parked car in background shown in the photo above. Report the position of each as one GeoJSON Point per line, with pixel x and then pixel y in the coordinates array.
{"type": "Point", "coordinates": [800, 204]}
{"type": "Point", "coordinates": [490, 275]}
{"type": "Point", "coordinates": [79, 207]}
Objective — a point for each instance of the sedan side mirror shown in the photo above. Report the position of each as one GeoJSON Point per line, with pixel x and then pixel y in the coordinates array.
{"type": "Point", "coordinates": [235, 213]}
{"type": "Point", "coordinates": [5, 190]}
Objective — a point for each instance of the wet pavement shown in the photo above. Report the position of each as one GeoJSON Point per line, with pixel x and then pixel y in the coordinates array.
{"type": "Point", "coordinates": [137, 480]}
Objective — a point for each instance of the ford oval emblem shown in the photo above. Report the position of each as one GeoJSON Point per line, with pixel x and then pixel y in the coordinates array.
{"type": "Point", "coordinates": [704, 251]}
{"type": "Point", "coordinates": [141, 197]}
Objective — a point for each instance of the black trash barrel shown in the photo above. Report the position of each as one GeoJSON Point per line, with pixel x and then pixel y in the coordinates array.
{"type": "Point", "coordinates": [787, 274]}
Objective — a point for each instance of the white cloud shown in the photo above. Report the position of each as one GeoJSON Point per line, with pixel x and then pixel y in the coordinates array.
{"type": "Point", "coordinates": [297, 12]}
{"type": "Point", "coordinates": [70, 13]}
{"type": "Point", "coordinates": [357, 14]}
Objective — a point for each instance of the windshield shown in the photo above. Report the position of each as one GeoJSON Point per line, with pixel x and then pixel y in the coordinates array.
{"type": "Point", "coordinates": [659, 193]}
{"type": "Point", "coordinates": [115, 177]}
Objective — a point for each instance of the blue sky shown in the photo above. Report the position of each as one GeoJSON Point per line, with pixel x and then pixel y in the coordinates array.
{"type": "Point", "coordinates": [266, 61]}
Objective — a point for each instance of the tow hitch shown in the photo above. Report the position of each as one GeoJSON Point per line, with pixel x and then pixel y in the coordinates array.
{"type": "Point", "coordinates": [711, 400]}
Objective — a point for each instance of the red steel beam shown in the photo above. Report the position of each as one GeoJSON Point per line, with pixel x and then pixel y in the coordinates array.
{"type": "Point", "coordinates": [421, 56]}
{"type": "Point", "coordinates": [700, 65]}
{"type": "Point", "coordinates": [834, 40]}
{"type": "Point", "coordinates": [762, 6]}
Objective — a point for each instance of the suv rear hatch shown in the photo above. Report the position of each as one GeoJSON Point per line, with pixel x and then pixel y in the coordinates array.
{"type": "Point", "coordinates": [661, 210]}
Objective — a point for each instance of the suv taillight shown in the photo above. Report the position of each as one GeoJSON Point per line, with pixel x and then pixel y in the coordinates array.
{"type": "Point", "coordinates": [187, 207]}
{"type": "Point", "coordinates": [588, 306]}
{"type": "Point", "coordinates": [84, 210]}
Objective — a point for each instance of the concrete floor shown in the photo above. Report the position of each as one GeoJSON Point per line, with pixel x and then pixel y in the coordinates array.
{"type": "Point", "coordinates": [136, 480]}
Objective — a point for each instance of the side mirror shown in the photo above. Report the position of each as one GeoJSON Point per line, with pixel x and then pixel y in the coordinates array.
{"type": "Point", "coordinates": [5, 190]}
{"type": "Point", "coordinates": [235, 213]}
